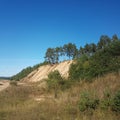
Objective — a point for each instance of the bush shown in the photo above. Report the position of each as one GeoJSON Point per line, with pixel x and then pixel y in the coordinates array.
{"type": "Point", "coordinates": [55, 75]}
{"type": "Point", "coordinates": [65, 84]}
{"type": "Point", "coordinates": [107, 101]}
{"type": "Point", "coordinates": [53, 81]}
{"type": "Point", "coordinates": [116, 102]}
{"type": "Point", "coordinates": [80, 69]}
{"type": "Point", "coordinates": [56, 82]}
{"type": "Point", "coordinates": [101, 62]}
{"type": "Point", "coordinates": [87, 102]}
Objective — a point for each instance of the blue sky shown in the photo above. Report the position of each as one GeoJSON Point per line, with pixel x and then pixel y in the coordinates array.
{"type": "Point", "coordinates": [29, 27]}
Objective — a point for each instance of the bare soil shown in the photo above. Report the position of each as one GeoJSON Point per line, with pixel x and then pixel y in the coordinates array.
{"type": "Point", "coordinates": [4, 84]}
{"type": "Point", "coordinates": [42, 72]}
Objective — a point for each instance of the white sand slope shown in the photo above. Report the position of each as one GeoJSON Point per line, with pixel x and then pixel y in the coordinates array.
{"type": "Point", "coordinates": [43, 71]}
{"type": "Point", "coordinates": [4, 84]}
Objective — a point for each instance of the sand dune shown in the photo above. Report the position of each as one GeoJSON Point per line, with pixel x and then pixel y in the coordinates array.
{"type": "Point", "coordinates": [43, 71]}
{"type": "Point", "coordinates": [3, 84]}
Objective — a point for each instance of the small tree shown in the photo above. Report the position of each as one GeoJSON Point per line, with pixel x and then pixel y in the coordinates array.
{"type": "Point", "coordinates": [50, 55]}
{"type": "Point", "coordinates": [104, 41]}
{"type": "Point", "coordinates": [115, 38]}
{"type": "Point", "coordinates": [53, 81]}
{"type": "Point", "coordinates": [70, 50]}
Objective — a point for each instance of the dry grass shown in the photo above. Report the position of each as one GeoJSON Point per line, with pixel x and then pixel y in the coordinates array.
{"type": "Point", "coordinates": [18, 103]}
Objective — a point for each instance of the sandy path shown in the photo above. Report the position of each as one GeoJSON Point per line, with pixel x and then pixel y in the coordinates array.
{"type": "Point", "coordinates": [4, 84]}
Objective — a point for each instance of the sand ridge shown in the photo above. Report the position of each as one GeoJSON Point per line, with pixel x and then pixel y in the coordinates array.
{"type": "Point", "coordinates": [43, 71]}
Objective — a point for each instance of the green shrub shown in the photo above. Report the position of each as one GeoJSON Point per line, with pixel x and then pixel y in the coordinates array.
{"type": "Point", "coordinates": [53, 81]}
{"type": "Point", "coordinates": [87, 102]}
{"type": "Point", "coordinates": [80, 69]}
{"type": "Point", "coordinates": [55, 75]}
{"type": "Point", "coordinates": [56, 82]}
{"type": "Point", "coordinates": [65, 84]}
{"type": "Point", "coordinates": [107, 100]}
{"type": "Point", "coordinates": [101, 62]}
{"type": "Point", "coordinates": [116, 102]}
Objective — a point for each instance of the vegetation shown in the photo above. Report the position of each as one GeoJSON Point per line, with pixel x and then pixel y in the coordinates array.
{"type": "Point", "coordinates": [93, 64]}
{"type": "Point", "coordinates": [53, 81]}
{"type": "Point", "coordinates": [53, 55]}
{"type": "Point", "coordinates": [4, 78]}
{"type": "Point", "coordinates": [87, 102]}
{"type": "Point", "coordinates": [74, 98]}
{"type": "Point", "coordinates": [92, 60]}
{"type": "Point", "coordinates": [20, 102]}
{"type": "Point", "coordinates": [56, 82]}
{"type": "Point", "coordinates": [22, 74]}
{"type": "Point", "coordinates": [26, 71]}
{"type": "Point", "coordinates": [116, 102]}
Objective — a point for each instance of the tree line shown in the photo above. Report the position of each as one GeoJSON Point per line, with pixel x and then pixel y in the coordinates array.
{"type": "Point", "coordinates": [70, 51]}
{"type": "Point", "coordinates": [90, 63]}
{"type": "Point", "coordinates": [53, 55]}
{"type": "Point", "coordinates": [105, 59]}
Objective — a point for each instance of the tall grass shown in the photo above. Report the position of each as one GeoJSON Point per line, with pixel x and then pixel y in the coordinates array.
{"type": "Point", "coordinates": [18, 102]}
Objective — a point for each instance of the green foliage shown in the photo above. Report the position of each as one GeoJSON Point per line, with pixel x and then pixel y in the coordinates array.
{"type": "Point", "coordinates": [4, 78]}
{"type": "Point", "coordinates": [70, 50]}
{"type": "Point", "coordinates": [26, 71]}
{"type": "Point", "coordinates": [111, 102]}
{"type": "Point", "coordinates": [50, 55]}
{"type": "Point", "coordinates": [92, 60]}
{"type": "Point", "coordinates": [116, 102]}
{"type": "Point", "coordinates": [38, 65]}
{"type": "Point", "coordinates": [87, 102]}
{"type": "Point", "coordinates": [22, 74]}
{"type": "Point", "coordinates": [103, 61]}
{"type": "Point", "coordinates": [104, 41]}
{"type": "Point", "coordinates": [79, 70]}
{"type": "Point", "coordinates": [55, 75]}
{"type": "Point", "coordinates": [115, 37]}
{"type": "Point", "coordinates": [114, 48]}
{"type": "Point", "coordinates": [56, 82]}
{"type": "Point", "coordinates": [53, 81]}
{"type": "Point", "coordinates": [65, 84]}
{"type": "Point", "coordinates": [106, 102]}
{"type": "Point", "coordinates": [106, 60]}
{"type": "Point", "coordinates": [53, 55]}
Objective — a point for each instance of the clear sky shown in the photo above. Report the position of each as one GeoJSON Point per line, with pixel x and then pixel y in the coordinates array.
{"type": "Point", "coordinates": [29, 27]}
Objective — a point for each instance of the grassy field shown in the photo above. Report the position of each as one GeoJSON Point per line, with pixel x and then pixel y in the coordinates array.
{"type": "Point", "coordinates": [33, 102]}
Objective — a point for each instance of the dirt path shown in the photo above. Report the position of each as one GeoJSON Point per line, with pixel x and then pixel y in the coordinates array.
{"type": "Point", "coordinates": [4, 84]}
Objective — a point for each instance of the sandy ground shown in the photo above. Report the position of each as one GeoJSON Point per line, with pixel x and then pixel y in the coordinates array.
{"type": "Point", "coordinates": [4, 84]}
{"type": "Point", "coordinates": [43, 71]}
